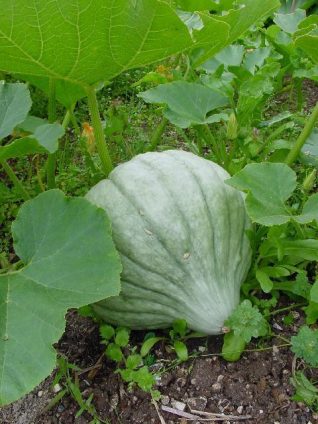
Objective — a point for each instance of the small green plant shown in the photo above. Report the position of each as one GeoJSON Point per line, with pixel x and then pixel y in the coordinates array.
{"type": "Point", "coordinates": [66, 376]}
{"type": "Point", "coordinates": [244, 323]}
{"type": "Point", "coordinates": [305, 391]}
{"type": "Point", "coordinates": [305, 345]}
{"type": "Point", "coordinates": [130, 364]}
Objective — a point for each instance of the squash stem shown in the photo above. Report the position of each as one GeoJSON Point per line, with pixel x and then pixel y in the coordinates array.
{"type": "Point", "coordinates": [157, 134]}
{"type": "Point", "coordinates": [51, 161]}
{"type": "Point", "coordinates": [15, 180]}
{"type": "Point", "coordinates": [101, 145]}
{"type": "Point", "coordinates": [309, 126]}
{"type": "Point", "coordinates": [65, 124]}
{"type": "Point", "coordinates": [211, 140]}
{"type": "Point", "coordinates": [75, 123]}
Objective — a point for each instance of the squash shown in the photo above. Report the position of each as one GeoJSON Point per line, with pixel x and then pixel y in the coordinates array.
{"type": "Point", "coordinates": [180, 231]}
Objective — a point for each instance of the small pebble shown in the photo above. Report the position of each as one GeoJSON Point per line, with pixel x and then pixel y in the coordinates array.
{"type": "Point", "coordinates": [277, 327]}
{"type": "Point", "coordinates": [113, 402]}
{"type": "Point", "coordinates": [275, 350]}
{"type": "Point", "coordinates": [240, 409]}
{"type": "Point", "coordinates": [216, 387]}
{"type": "Point", "coordinates": [180, 406]}
{"type": "Point", "coordinates": [198, 403]}
{"type": "Point", "coordinates": [165, 400]}
{"type": "Point", "coordinates": [181, 382]}
{"type": "Point", "coordinates": [201, 349]}
{"type": "Point", "coordinates": [60, 408]}
{"type": "Point", "coordinates": [57, 388]}
{"type": "Point", "coordinates": [40, 393]}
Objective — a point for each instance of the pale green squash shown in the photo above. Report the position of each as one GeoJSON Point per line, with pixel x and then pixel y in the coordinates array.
{"type": "Point", "coordinates": [180, 231]}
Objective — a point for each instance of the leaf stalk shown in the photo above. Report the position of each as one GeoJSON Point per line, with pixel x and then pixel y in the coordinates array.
{"type": "Point", "coordinates": [301, 140]}
{"type": "Point", "coordinates": [100, 140]}
{"type": "Point", "coordinates": [51, 160]}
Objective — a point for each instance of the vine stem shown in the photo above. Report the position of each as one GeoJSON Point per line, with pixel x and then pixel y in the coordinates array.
{"type": "Point", "coordinates": [157, 134]}
{"type": "Point", "coordinates": [287, 308]}
{"type": "Point", "coordinates": [309, 126]}
{"type": "Point", "coordinates": [15, 180]}
{"type": "Point", "coordinates": [51, 160]}
{"type": "Point", "coordinates": [65, 124]}
{"type": "Point", "coordinates": [101, 145]}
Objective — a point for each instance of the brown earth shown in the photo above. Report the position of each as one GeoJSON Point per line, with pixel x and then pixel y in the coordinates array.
{"type": "Point", "coordinates": [257, 386]}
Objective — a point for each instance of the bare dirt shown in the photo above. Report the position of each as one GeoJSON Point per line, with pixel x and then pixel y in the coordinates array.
{"type": "Point", "coordinates": [257, 386]}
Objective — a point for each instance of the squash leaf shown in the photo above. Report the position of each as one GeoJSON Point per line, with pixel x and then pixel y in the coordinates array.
{"type": "Point", "coordinates": [187, 103]}
{"type": "Point", "coordinates": [308, 42]}
{"type": "Point", "coordinates": [269, 186]}
{"type": "Point", "coordinates": [81, 43]}
{"type": "Point", "coordinates": [70, 261]}
{"type": "Point", "coordinates": [15, 103]}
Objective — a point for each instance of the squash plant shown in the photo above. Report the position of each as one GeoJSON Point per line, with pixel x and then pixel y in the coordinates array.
{"type": "Point", "coordinates": [65, 244]}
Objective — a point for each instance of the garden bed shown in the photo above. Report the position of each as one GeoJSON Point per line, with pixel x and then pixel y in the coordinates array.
{"type": "Point", "coordinates": [257, 386]}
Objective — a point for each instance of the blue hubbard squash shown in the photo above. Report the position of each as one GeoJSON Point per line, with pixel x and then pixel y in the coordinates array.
{"type": "Point", "coordinates": [180, 231]}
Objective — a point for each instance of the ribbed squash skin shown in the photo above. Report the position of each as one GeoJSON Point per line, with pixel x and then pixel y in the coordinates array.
{"type": "Point", "coordinates": [180, 232]}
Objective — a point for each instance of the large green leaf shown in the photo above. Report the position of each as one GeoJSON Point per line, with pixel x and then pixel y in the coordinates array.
{"type": "Point", "coordinates": [250, 12]}
{"type": "Point", "coordinates": [289, 22]}
{"type": "Point", "coordinates": [209, 40]}
{"type": "Point", "coordinates": [269, 186]}
{"type": "Point", "coordinates": [21, 147]}
{"type": "Point", "coordinates": [15, 103]}
{"type": "Point", "coordinates": [67, 93]}
{"type": "Point", "coordinates": [188, 103]}
{"type": "Point", "coordinates": [309, 43]}
{"type": "Point", "coordinates": [230, 56]}
{"type": "Point", "coordinates": [70, 261]}
{"type": "Point", "coordinates": [43, 140]}
{"type": "Point", "coordinates": [195, 5]}
{"type": "Point", "coordinates": [237, 22]}
{"type": "Point", "coordinates": [302, 249]}
{"type": "Point", "coordinates": [85, 42]}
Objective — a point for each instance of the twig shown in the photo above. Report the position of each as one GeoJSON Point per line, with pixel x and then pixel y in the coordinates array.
{"type": "Point", "coordinates": [224, 417]}
{"type": "Point", "coordinates": [94, 369]}
{"type": "Point", "coordinates": [179, 413]}
{"type": "Point", "coordinates": [162, 421]}
{"type": "Point", "coordinates": [197, 415]}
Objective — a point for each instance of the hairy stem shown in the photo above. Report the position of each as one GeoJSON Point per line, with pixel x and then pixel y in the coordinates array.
{"type": "Point", "coordinates": [15, 180]}
{"type": "Point", "coordinates": [309, 126]}
{"type": "Point", "coordinates": [65, 124]}
{"type": "Point", "coordinates": [157, 134]}
{"type": "Point", "coordinates": [51, 161]}
{"type": "Point", "coordinates": [101, 145]}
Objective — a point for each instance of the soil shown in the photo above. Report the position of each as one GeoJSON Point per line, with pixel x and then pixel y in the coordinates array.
{"type": "Point", "coordinates": [257, 386]}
